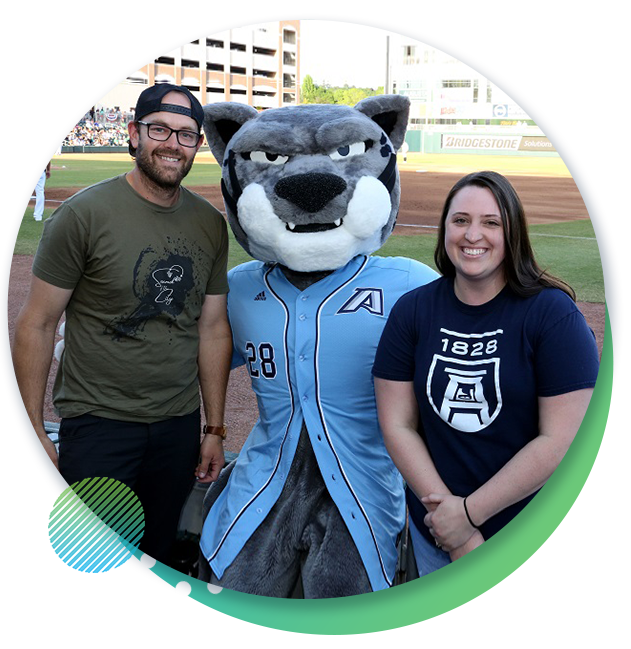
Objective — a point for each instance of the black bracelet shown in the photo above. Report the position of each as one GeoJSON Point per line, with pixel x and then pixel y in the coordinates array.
{"type": "Point", "coordinates": [466, 511]}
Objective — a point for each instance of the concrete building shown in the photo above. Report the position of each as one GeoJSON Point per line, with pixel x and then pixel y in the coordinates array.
{"type": "Point", "coordinates": [257, 65]}
{"type": "Point", "coordinates": [444, 91]}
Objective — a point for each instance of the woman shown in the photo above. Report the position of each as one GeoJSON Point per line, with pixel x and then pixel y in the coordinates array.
{"type": "Point", "coordinates": [493, 364]}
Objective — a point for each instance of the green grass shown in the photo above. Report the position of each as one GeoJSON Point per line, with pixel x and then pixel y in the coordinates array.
{"type": "Point", "coordinates": [577, 261]}
{"type": "Point", "coordinates": [81, 173]}
{"type": "Point", "coordinates": [78, 173]}
{"type": "Point", "coordinates": [583, 228]}
{"type": "Point", "coordinates": [419, 247]}
{"type": "Point", "coordinates": [571, 254]}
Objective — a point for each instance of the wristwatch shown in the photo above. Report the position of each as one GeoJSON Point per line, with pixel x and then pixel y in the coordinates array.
{"type": "Point", "coordinates": [220, 431]}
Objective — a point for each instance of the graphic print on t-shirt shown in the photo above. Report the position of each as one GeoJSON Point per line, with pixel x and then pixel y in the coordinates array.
{"type": "Point", "coordinates": [165, 278]}
{"type": "Point", "coordinates": [161, 285]}
{"type": "Point", "coordinates": [463, 382]}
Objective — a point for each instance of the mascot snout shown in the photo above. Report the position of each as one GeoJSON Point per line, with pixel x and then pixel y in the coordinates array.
{"type": "Point", "coordinates": [310, 192]}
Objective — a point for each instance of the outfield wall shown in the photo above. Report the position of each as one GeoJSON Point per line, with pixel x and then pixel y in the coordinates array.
{"type": "Point", "coordinates": [107, 149]}
{"type": "Point", "coordinates": [470, 143]}
{"type": "Point", "coordinates": [473, 143]}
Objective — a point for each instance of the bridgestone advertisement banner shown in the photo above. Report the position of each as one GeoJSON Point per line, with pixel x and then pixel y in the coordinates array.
{"type": "Point", "coordinates": [495, 143]}
{"type": "Point", "coordinates": [536, 143]}
{"type": "Point", "coordinates": [483, 142]}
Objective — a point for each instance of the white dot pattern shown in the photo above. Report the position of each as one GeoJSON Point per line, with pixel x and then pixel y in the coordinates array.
{"type": "Point", "coordinates": [183, 589]}
{"type": "Point", "coordinates": [147, 562]}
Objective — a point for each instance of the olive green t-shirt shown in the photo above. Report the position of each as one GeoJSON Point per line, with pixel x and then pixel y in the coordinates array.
{"type": "Point", "coordinates": [139, 273]}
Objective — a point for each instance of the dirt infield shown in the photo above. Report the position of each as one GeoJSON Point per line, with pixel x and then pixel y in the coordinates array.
{"type": "Point", "coordinates": [546, 199]}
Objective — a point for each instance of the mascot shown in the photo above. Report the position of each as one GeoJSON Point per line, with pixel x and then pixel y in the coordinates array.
{"type": "Point", "coordinates": [313, 501]}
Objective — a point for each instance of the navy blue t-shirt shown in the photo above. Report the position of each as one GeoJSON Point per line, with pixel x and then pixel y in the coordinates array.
{"type": "Point", "coordinates": [478, 372]}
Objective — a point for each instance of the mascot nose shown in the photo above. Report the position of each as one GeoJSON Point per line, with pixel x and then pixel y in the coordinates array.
{"type": "Point", "coordinates": [312, 191]}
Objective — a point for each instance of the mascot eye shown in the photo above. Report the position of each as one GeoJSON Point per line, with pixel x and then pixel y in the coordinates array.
{"type": "Point", "coordinates": [268, 158]}
{"type": "Point", "coordinates": [349, 151]}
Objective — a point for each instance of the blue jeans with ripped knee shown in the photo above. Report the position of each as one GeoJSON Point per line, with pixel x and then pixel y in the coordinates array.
{"type": "Point", "coordinates": [545, 576]}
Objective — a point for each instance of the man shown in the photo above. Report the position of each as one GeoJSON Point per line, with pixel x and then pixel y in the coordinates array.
{"type": "Point", "coordinates": [138, 263]}
{"type": "Point", "coordinates": [30, 149]}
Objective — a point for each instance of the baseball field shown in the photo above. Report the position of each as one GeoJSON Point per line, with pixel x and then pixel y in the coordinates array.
{"type": "Point", "coordinates": [561, 232]}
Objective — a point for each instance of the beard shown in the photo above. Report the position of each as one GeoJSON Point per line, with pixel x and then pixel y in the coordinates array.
{"type": "Point", "coordinates": [164, 178]}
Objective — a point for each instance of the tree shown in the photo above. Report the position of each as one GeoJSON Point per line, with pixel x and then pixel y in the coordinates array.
{"type": "Point", "coordinates": [308, 90]}
{"type": "Point", "coordinates": [325, 94]}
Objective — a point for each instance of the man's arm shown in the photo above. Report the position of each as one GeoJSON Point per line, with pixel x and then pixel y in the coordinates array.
{"type": "Point", "coordinates": [215, 352]}
{"type": "Point", "coordinates": [33, 346]}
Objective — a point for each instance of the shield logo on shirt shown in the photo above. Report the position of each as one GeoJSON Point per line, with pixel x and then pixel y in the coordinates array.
{"type": "Point", "coordinates": [465, 394]}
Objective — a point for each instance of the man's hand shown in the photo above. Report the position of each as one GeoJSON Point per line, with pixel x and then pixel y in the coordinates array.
{"type": "Point", "coordinates": [30, 466]}
{"type": "Point", "coordinates": [211, 459]}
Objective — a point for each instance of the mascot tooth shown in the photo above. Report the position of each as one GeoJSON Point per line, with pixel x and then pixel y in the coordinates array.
{"type": "Point", "coordinates": [313, 505]}
{"type": "Point", "coordinates": [274, 240]}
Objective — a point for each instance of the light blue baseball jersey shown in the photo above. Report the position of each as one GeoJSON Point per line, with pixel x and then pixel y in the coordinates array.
{"type": "Point", "coordinates": [310, 355]}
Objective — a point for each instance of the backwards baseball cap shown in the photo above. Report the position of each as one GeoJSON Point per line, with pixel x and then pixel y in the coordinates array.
{"type": "Point", "coordinates": [150, 101]}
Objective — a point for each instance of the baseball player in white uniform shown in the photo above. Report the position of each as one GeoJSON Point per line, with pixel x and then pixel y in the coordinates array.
{"type": "Point", "coordinates": [30, 149]}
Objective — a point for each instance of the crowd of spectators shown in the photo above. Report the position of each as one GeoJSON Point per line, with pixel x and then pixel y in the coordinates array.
{"type": "Point", "coordinates": [100, 127]}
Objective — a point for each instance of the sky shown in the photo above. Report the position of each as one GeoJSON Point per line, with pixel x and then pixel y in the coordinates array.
{"type": "Point", "coordinates": [340, 53]}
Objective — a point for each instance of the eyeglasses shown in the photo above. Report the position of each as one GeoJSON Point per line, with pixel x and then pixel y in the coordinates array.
{"type": "Point", "coordinates": [162, 133]}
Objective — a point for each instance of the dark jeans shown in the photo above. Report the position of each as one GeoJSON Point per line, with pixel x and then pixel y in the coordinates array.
{"type": "Point", "coordinates": [157, 461]}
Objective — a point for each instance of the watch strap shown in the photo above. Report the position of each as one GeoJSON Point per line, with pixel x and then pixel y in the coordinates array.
{"type": "Point", "coordinates": [220, 431]}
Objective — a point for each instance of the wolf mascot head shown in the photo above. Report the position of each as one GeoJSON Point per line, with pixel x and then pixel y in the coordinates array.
{"type": "Point", "coordinates": [310, 187]}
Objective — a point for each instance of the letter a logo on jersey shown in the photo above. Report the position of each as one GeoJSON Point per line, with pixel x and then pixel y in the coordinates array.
{"type": "Point", "coordinates": [370, 299]}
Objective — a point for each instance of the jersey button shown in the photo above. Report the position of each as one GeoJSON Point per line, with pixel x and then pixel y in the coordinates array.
{"type": "Point", "coordinates": [302, 316]}
{"type": "Point", "coordinates": [301, 357]}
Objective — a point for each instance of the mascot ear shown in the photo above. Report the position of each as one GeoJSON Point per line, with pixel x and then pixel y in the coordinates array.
{"type": "Point", "coordinates": [390, 112]}
{"type": "Point", "coordinates": [221, 121]}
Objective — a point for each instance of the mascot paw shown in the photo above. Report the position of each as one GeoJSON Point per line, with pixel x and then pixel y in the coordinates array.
{"type": "Point", "coordinates": [59, 347]}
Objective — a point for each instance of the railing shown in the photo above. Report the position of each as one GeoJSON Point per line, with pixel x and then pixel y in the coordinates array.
{"type": "Point", "coordinates": [100, 117]}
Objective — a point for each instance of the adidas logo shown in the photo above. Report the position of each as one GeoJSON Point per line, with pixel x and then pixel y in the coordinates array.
{"type": "Point", "coordinates": [260, 296]}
